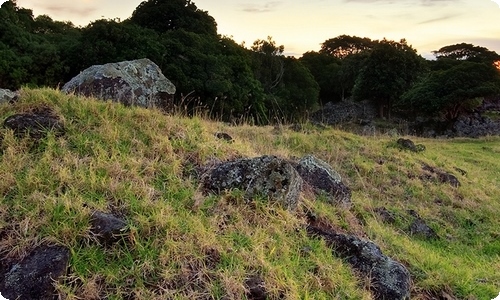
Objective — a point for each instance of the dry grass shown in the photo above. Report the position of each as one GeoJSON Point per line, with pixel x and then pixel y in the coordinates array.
{"type": "Point", "coordinates": [141, 165]}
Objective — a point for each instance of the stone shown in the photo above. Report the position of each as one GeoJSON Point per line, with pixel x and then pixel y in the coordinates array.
{"type": "Point", "coordinates": [344, 112]}
{"type": "Point", "coordinates": [137, 82]}
{"type": "Point", "coordinates": [324, 180]}
{"type": "Point", "coordinates": [389, 279]}
{"type": "Point", "coordinates": [256, 289]}
{"type": "Point", "coordinates": [267, 176]}
{"type": "Point", "coordinates": [106, 227]}
{"type": "Point", "coordinates": [385, 215]}
{"type": "Point", "coordinates": [33, 277]}
{"type": "Point", "coordinates": [8, 96]}
{"type": "Point", "coordinates": [442, 176]}
{"type": "Point", "coordinates": [224, 136]}
{"type": "Point", "coordinates": [35, 124]}
{"type": "Point", "coordinates": [408, 144]}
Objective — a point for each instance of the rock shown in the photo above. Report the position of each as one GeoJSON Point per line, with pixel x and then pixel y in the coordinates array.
{"type": "Point", "coordinates": [35, 124]}
{"type": "Point", "coordinates": [8, 96]}
{"type": "Point", "coordinates": [345, 111]}
{"type": "Point", "coordinates": [323, 179]}
{"type": "Point", "coordinates": [137, 82]}
{"type": "Point", "coordinates": [441, 175]}
{"type": "Point", "coordinates": [267, 176]}
{"type": "Point", "coordinates": [256, 289]}
{"type": "Point", "coordinates": [389, 279]}
{"type": "Point", "coordinates": [385, 215]}
{"type": "Point", "coordinates": [224, 136]}
{"type": "Point", "coordinates": [33, 277]}
{"type": "Point", "coordinates": [106, 227]}
{"type": "Point", "coordinates": [408, 144]}
{"type": "Point", "coordinates": [419, 228]}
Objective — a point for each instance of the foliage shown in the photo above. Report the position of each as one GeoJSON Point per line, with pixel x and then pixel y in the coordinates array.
{"type": "Point", "coordinates": [345, 45]}
{"type": "Point", "coordinates": [469, 52]}
{"type": "Point", "coordinates": [453, 91]}
{"type": "Point", "coordinates": [166, 15]}
{"type": "Point", "coordinates": [390, 69]}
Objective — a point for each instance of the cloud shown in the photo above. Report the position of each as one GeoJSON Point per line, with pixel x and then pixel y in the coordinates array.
{"type": "Point", "coordinates": [261, 8]}
{"type": "Point", "coordinates": [79, 11]}
{"type": "Point", "coordinates": [438, 19]}
{"type": "Point", "coordinates": [418, 2]}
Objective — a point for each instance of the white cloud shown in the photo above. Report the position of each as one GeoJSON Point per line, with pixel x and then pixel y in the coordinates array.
{"type": "Point", "coordinates": [497, 2]}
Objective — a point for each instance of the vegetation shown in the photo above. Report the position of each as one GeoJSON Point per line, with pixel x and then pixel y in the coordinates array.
{"type": "Point", "coordinates": [232, 82]}
{"type": "Point", "coordinates": [180, 244]}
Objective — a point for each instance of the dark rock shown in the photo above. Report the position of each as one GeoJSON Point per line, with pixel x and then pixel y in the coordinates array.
{"type": "Point", "coordinates": [224, 136]}
{"type": "Point", "coordinates": [137, 82]}
{"type": "Point", "coordinates": [323, 179]}
{"type": "Point", "coordinates": [107, 228]}
{"type": "Point", "coordinates": [267, 176]}
{"type": "Point", "coordinates": [35, 124]}
{"type": "Point", "coordinates": [408, 144]}
{"type": "Point", "coordinates": [386, 215]}
{"type": "Point", "coordinates": [256, 289]}
{"type": "Point", "coordinates": [345, 111]}
{"type": "Point", "coordinates": [441, 176]}
{"type": "Point", "coordinates": [389, 279]}
{"type": "Point", "coordinates": [419, 228]}
{"type": "Point", "coordinates": [33, 277]}
{"type": "Point", "coordinates": [8, 96]}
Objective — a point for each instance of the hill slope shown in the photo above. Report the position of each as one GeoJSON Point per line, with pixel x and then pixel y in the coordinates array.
{"type": "Point", "coordinates": [180, 244]}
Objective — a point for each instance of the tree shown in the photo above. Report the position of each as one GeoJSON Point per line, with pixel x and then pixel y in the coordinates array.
{"type": "Point", "coordinates": [390, 70]}
{"type": "Point", "coordinates": [345, 45]}
{"type": "Point", "coordinates": [468, 52]}
{"type": "Point", "coordinates": [325, 69]}
{"type": "Point", "coordinates": [449, 93]}
{"type": "Point", "coordinates": [268, 63]}
{"type": "Point", "coordinates": [165, 15]}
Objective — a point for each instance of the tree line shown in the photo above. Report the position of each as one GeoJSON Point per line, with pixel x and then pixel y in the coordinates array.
{"type": "Point", "coordinates": [231, 82]}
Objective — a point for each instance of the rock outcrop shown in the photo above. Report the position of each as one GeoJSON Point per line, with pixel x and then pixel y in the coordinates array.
{"type": "Point", "coordinates": [267, 176]}
{"type": "Point", "coordinates": [389, 279]}
{"type": "Point", "coordinates": [8, 96]}
{"type": "Point", "coordinates": [137, 82]}
{"type": "Point", "coordinates": [324, 180]}
{"type": "Point", "coordinates": [345, 111]}
{"type": "Point", "coordinates": [32, 278]}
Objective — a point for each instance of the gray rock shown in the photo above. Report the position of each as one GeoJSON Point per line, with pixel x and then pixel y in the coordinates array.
{"type": "Point", "coordinates": [408, 144]}
{"type": "Point", "coordinates": [420, 228]}
{"type": "Point", "coordinates": [389, 279]}
{"type": "Point", "coordinates": [267, 176]}
{"type": "Point", "coordinates": [35, 124]}
{"type": "Point", "coordinates": [324, 180]}
{"type": "Point", "coordinates": [345, 111]}
{"type": "Point", "coordinates": [8, 96]}
{"type": "Point", "coordinates": [440, 175]}
{"type": "Point", "coordinates": [106, 227]}
{"type": "Point", "coordinates": [137, 82]}
{"type": "Point", "coordinates": [33, 277]}
{"type": "Point", "coordinates": [256, 289]}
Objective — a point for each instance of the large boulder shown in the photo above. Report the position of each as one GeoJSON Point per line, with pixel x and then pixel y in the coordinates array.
{"type": "Point", "coordinates": [389, 279]}
{"type": "Point", "coordinates": [267, 176]}
{"type": "Point", "coordinates": [7, 96]}
{"type": "Point", "coordinates": [324, 180]}
{"type": "Point", "coordinates": [34, 276]}
{"type": "Point", "coordinates": [137, 82]}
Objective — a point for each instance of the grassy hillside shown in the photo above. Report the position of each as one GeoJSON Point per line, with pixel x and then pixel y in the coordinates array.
{"type": "Point", "coordinates": [180, 244]}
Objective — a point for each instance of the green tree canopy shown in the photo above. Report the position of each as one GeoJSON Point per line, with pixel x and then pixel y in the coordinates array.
{"type": "Point", "coordinates": [469, 52]}
{"type": "Point", "coordinates": [449, 93]}
{"type": "Point", "coordinates": [345, 45]}
{"type": "Point", "coordinates": [165, 15]}
{"type": "Point", "coordinates": [389, 71]}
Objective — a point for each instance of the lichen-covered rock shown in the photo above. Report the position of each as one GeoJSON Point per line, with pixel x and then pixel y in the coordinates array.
{"type": "Point", "coordinates": [267, 176]}
{"type": "Point", "coordinates": [389, 279]}
{"type": "Point", "coordinates": [408, 144]}
{"type": "Point", "coordinates": [107, 227]}
{"type": "Point", "coordinates": [35, 124]}
{"type": "Point", "coordinates": [33, 277]}
{"type": "Point", "coordinates": [323, 179]}
{"type": "Point", "coordinates": [137, 82]}
{"type": "Point", "coordinates": [7, 96]}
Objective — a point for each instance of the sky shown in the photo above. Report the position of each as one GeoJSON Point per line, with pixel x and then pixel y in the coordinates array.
{"type": "Point", "coordinates": [303, 25]}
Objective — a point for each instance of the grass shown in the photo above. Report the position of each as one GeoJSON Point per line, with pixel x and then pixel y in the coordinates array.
{"type": "Point", "coordinates": [140, 164]}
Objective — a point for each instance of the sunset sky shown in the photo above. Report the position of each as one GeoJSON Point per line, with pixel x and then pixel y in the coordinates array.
{"type": "Point", "coordinates": [302, 25]}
